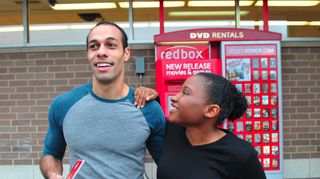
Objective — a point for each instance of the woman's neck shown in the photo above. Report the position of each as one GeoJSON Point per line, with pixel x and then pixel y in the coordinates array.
{"type": "Point", "coordinates": [202, 136]}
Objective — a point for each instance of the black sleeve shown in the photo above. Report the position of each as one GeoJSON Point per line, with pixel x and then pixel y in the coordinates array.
{"type": "Point", "coordinates": [252, 168]}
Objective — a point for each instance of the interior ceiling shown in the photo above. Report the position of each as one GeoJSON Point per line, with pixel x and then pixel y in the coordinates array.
{"type": "Point", "coordinates": [42, 13]}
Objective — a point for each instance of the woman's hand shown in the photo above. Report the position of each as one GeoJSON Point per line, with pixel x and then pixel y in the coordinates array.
{"type": "Point", "coordinates": [144, 94]}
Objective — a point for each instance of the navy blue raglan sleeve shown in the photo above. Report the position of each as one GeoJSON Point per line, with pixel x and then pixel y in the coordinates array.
{"type": "Point", "coordinates": [156, 121]}
{"type": "Point", "coordinates": [54, 143]}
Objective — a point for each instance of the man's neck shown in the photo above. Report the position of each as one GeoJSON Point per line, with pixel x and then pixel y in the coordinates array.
{"type": "Point", "coordinates": [116, 90]}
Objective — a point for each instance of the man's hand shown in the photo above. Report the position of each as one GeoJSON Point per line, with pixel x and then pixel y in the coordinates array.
{"type": "Point", "coordinates": [144, 94]}
{"type": "Point", "coordinates": [52, 175]}
{"type": "Point", "coordinates": [51, 168]}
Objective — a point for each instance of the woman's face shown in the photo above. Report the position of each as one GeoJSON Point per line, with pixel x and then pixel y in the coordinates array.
{"type": "Point", "coordinates": [189, 105]}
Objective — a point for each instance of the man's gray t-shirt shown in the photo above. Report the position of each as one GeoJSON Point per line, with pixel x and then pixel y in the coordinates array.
{"type": "Point", "coordinates": [110, 135]}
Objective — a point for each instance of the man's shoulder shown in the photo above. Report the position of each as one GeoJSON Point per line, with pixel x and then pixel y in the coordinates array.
{"type": "Point", "coordinates": [154, 115]}
{"type": "Point", "coordinates": [152, 105]}
{"type": "Point", "coordinates": [73, 95]}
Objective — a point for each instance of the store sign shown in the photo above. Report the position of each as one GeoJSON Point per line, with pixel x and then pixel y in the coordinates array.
{"type": "Point", "coordinates": [245, 50]}
{"type": "Point", "coordinates": [183, 52]}
{"type": "Point", "coordinates": [185, 68]}
{"type": "Point", "coordinates": [216, 35]}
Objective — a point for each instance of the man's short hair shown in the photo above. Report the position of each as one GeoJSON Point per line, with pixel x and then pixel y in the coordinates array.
{"type": "Point", "coordinates": [124, 37]}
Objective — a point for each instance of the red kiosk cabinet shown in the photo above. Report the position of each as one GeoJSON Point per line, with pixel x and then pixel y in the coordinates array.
{"type": "Point", "coordinates": [175, 63]}
{"type": "Point", "coordinates": [248, 58]}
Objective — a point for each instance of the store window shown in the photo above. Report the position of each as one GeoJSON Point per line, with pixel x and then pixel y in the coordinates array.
{"type": "Point", "coordinates": [209, 14]}
{"type": "Point", "coordinates": [68, 22]}
{"type": "Point", "coordinates": [55, 22]}
{"type": "Point", "coordinates": [145, 19]}
{"type": "Point", "coordinates": [295, 19]}
{"type": "Point", "coordinates": [11, 29]}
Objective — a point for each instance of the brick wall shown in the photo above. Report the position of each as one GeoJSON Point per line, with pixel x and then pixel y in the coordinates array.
{"type": "Point", "coordinates": [30, 80]}
{"type": "Point", "coordinates": [301, 102]}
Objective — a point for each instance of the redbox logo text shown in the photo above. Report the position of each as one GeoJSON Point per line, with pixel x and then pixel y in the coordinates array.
{"type": "Point", "coordinates": [181, 52]}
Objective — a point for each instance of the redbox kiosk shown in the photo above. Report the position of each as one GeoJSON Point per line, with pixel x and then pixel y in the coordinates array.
{"type": "Point", "coordinates": [248, 58]}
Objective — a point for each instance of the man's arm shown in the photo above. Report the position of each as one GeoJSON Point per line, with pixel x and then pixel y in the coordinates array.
{"type": "Point", "coordinates": [51, 168]}
{"type": "Point", "coordinates": [156, 121]}
{"type": "Point", "coordinates": [54, 143]}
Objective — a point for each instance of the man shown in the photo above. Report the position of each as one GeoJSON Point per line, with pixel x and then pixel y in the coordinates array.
{"type": "Point", "coordinates": [98, 121]}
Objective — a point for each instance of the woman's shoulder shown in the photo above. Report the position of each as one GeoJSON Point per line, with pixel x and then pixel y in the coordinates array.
{"type": "Point", "coordinates": [239, 148]}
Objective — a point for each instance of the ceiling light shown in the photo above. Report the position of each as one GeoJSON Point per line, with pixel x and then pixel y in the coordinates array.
{"type": "Point", "coordinates": [123, 25]}
{"type": "Point", "coordinates": [217, 3]}
{"type": "Point", "coordinates": [289, 3]}
{"type": "Point", "coordinates": [156, 24]}
{"type": "Point", "coordinates": [81, 6]}
{"type": "Point", "coordinates": [82, 26]}
{"type": "Point", "coordinates": [141, 24]}
{"type": "Point", "coordinates": [206, 13]}
{"type": "Point", "coordinates": [297, 23]}
{"type": "Point", "coordinates": [193, 24]}
{"type": "Point", "coordinates": [250, 23]}
{"type": "Point", "coordinates": [197, 24]}
{"type": "Point", "coordinates": [314, 23]}
{"type": "Point", "coordinates": [48, 27]}
{"type": "Point", "coordinates": [280, 23]}
{"type": "Point", "coordinates": [152, 4]}
{"type": "Point", "coordinates": [11, 29]}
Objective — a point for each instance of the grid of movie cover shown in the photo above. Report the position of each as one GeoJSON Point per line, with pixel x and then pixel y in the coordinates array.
{"type": "Point", "coordinates": [257, 79]}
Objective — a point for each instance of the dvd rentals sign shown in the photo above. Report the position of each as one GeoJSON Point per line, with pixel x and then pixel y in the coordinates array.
{"type": "Point", "coordinates": [181, 61]}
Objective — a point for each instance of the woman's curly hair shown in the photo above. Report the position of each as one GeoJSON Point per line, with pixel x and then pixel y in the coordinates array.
{"type": "Point", "coordinates": [220, 91]}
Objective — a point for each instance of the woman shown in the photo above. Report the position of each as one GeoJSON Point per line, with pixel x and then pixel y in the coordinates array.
{"type": "Point", "coordinates": [195, 147]}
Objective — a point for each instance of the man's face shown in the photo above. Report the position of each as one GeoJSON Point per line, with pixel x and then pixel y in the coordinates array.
{"type": "Point", "coordinates": [105, 54]}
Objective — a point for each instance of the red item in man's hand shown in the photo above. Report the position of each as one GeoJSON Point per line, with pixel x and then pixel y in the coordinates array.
{"type": "Point", "coordinates": [75, 169]}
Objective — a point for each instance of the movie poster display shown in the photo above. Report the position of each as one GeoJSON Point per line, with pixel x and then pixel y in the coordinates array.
{"type": "Point", "coordinates": [254, 70]}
